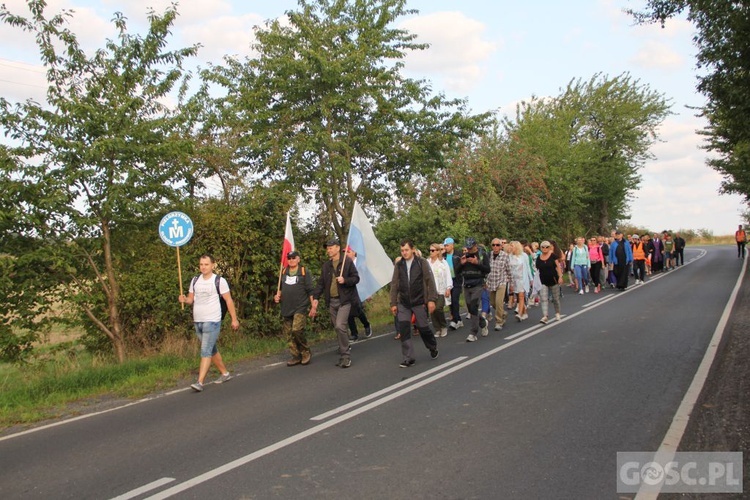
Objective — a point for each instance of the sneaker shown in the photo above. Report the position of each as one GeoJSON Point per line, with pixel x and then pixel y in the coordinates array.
{"type": "Point", "coordinates": [453, 325]}
{"type": "Point", "coordinates": [518, 317]}
{"type": "Point", "coordinates": [434, 353]}
{"type": "Point", "coordinates": [468, 315]}
{"type": "Point", "coordinates": [471, 338]}
{"type": "Point", "coordinates": [587, 288]}
{"type": "Point", "coordinates": [498, 328]}
{"type": "Point", "coordinates": [580, 292]}
{"type": "Point", "coordinates": [224, 378]}
{"type": "Point", "coordinates": [525, 316]}
{"type": "Point", "coordinates": [557, 317]}
{"type": "Point", "coordinates": [460, 324]}
{"type": "Point", "coordinates": [544, 320]}
{"type": "Point", "coordinates": [197, 387]}
{"type": "Point", "coordinates": [485, 331]}
{"type": "Point", "coordinates": [353, 338]}
{"type": "Point", "coordinates": [407, 363]}
{"type": "Point", "coordinates": [368, 332]}
{"type": "Point", "coordinates": [293, 361]}
{"type": "Point", "coordinates": [345, 362]}
{"type": "Point", "coordinates": [306, 357]}
{"type": "Point", "coordinates": [443, 332]}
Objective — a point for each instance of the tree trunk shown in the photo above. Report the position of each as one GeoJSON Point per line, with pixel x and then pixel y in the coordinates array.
{"type": "Point", "coordinates": [113, 295]}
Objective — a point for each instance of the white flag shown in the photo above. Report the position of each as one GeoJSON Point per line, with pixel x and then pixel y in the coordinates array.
{"type": "Point", "coordinates": [374, 266]}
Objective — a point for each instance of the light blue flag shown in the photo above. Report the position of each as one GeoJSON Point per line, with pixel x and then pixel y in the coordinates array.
{"type": "Point", "coordinates": [374, 266]}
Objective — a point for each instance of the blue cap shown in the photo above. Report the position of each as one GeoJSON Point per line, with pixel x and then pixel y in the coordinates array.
{"type": "Point", "coordinates": [448, 241]}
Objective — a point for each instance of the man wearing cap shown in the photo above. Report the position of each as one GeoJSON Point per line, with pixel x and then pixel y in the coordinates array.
{"type": "Point", "coordinates": [620, 255]}
{"type": "Point", "coordinates": [338, 283]}
{"type": "Point", "coordinates": [295, 294]}
{"type": "Point", "coordinates": [450, 258]}
{"type": "Point", "coordinates": [473, 267]}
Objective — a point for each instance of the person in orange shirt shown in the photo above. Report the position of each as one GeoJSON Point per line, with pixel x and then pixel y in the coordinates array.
{"type": "Point", "coordinates": [639, 259]}
{"type": "Point", "coordinates": [741, 238]}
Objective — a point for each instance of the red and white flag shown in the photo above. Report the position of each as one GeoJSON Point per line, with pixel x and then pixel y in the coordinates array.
{"type": "Point", "coordinates": [288, 241]}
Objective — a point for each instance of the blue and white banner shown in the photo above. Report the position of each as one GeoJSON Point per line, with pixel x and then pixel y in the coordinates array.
{"type": "Point", "coordinates": [374, 266]}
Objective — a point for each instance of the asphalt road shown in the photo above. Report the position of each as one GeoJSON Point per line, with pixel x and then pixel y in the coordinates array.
{"type": "Point", "coordinates": [532, 411]}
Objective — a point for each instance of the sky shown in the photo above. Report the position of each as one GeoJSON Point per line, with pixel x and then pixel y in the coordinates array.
{"type": "Point", "coordinates": [492, 53]}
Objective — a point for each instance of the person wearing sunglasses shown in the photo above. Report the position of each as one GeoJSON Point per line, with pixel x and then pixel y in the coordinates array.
{"type": "Point", "coordinates": [551, 278]}
{"type": "Point", "coordinates": [443, 283]}
{"type": "Point", "coordinates": [497, 281]}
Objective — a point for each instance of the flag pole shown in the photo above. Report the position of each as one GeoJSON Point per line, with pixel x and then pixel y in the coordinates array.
{"type": "Point", "coordinates": [348, 235]}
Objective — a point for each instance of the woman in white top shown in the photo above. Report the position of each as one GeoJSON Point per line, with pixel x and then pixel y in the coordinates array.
{"type": "Point", "coordinates": [520, 277]}
{"type": "Point", "coordinates": [443, 284]}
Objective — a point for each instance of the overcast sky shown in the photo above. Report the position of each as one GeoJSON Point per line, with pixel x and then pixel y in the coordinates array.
{"type": "Point", "coordinates": [493, 53]}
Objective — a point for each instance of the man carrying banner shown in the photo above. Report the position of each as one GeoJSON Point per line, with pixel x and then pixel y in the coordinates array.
{"type": "Point", "coordinates": [338, 283]}
{"type": "Point", "coordinates": [413, 292]}
{"type": "Point", "coordinates": [295, 294]}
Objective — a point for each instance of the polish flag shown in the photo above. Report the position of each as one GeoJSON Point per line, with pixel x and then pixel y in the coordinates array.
{"type": "Point", "coordinates": [288, 241]}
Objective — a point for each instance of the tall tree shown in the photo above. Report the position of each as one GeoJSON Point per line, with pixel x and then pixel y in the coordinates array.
{"type": "Point", "coordinates": [326, 110]}
{"type": "Point", "coordinates": [723, 42]}
{"type": "Point", "coordinates": [102, 153]}
{"type": "Point", "coordinates": [594, 138]}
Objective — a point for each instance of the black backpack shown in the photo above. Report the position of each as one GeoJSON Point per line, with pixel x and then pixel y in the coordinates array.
{"type": "Point", "coordinates": [222, 302]}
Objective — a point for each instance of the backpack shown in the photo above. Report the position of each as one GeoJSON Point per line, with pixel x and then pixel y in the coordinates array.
{"type": "Point", "coordinates": [222, 302]}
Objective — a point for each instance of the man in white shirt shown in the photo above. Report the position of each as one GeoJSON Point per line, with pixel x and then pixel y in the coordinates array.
{"type": "Point", "coordinates": [207, 317]}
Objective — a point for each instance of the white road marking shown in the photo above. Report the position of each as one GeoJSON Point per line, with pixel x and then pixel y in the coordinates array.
{"type": "Point", "coordinates": [679, 423]}
{"type": "Point", "coordinates": [379, 393]}
{"type": "Point", "coordinates": [144, 489]}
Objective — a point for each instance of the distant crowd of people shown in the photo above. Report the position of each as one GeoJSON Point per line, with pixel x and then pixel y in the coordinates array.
{"type": "Point", "coordinates": [508, 277]}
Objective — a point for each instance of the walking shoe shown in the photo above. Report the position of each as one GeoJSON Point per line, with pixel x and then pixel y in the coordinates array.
{"type": "Point", "coordinates": [518, 317]}
{"type": "Point", "coordinates": [434, 353]}
{"type": "Point", "coordinates": [468, 315]}
{"type": "Point", "coordinates": [498, 328]}
{"type": "Point", "coordinates": [353, 338]}
{"type": "Point", "coordinates": [293, 361]}
{"type": "Point", "coordinates": [197, 387]}
{"type": "Point", "coordinates": [453, 325]}
{"type": "Point", "coordinates": [557, 316]}
{"type": "Point", "coordinates": [587, 288]}
{"type": "Point", "coordinates": [471, 338]}
{"type": "Point", "coordinates": [443, 332]}
{"type": "Point", "coordinates": [306, 356]}
{"type": "Point", "coordinates": [485, 331]}
{"type": "Point", "coordinates": [345, 362]}
{"type": "Point", "coordinates": [407, 363]}
{"type": "Point", "coordinates": [525, 316]}
{"type": "Point", "coordinates": [460, 324]}
{"type": "Point", "coordinates": [225, 377]}
{"type": "Point", "coordinates": [544, 320]}
{"type": "Point", "coordinates": [368, 332]}
{"type": "Point", "coordinates": [580, 292]}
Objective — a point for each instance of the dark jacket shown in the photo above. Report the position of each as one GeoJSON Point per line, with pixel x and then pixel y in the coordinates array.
{"type": "Point", "coordinates": [474, 274]}
{"type": "Point", "coordinates": [347, 290]}
{"type": "Point", "coordinates": [415, 288]}
{"type": "Point", "coordinates": [295, 292]}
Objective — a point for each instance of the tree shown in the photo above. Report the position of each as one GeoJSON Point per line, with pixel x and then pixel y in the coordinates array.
{"type": "Point", "coordinates": [594, 139]}
{"type": "Point", "coordinates": [99, 157]}
{"type": "Point", "coordinates": [325, 109]}
{"type": "Point", "coordinates": [724, 56]}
